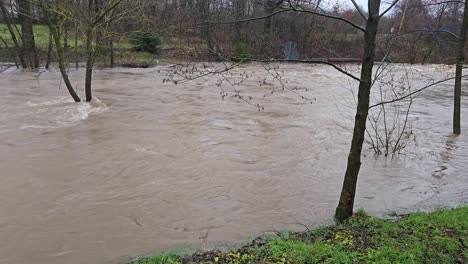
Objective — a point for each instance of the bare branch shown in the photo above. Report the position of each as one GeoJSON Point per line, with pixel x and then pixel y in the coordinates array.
{"type": "Point", "coordinates": [415, 92]}
{"type": "Point", "coordinates": [204, 74]}
{"type": "Point", "coordinates": [438, 3]}
{"type": "Point", "coordinates": [283, 10]}
{"type": "Point", "coordinates": [389, 8]}
{"type": "Point", "coordinates": [105, 12]}
{"type": "Point", "coordinates": [312, 62]}
{"type": "Point", "coordinates": [214, 23]}
{"type": "Point", "coordinates": [433, 31]}
{"type": "Point", "coordinates": [329, 16]}
{"type": "Point", "coordinates": [359, 9]}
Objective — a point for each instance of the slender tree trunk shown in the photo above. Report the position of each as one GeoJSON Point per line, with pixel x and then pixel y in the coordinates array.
{"type": "Point", "coordinates": [458, 73]}
{"type": "Point", "coordinates": [348, 192]}
{"type": "Point", "coordinates": [63, 68]}
{"type": "Point", "coordinates": [97, 6]}
{"type": "Point", "coordinates": [271, 6]}
{"type": "Point", "coordinates": [49, 51]}
{"type": "Point", "coordinates": [403, 16]}
{"type": "Point", "coordinates": [65, 37]}
{"type": "Point", "coordinates": [110, 41]}
{"type": "Point", "coordinates": [89, 64]}
{"type": "Point", "coordinates": [239, 12]}
{"type": "Point", "coordinates": [111, 52]}
{"type": "Point", "coordinates": [268, 28]}
{"type": "Point", "coordinates": [204, 15]}
{"type": "Point", "coordinates": [76, 48]}
{"type": "Point", "coordinates": [18, 49]}
{"type": "Point", "coordinates": [27, 33]}
{"type": "Point", "coordinates": [55, 31]}
{"type": "Point", "coordinates": [88, 82]}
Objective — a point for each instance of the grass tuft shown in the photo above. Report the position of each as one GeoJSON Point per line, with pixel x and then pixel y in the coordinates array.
{"type": "Point", "coordinates": [437, 237]}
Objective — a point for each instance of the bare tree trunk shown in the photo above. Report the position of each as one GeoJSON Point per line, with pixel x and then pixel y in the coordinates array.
{"type": "Point", "coordinates": [458, 73]}
{"type": "Point", "coordinates": [204, 15]}
{"type": "Point", "coordinates": [111, 42]}
{"type": "Point", "coordinates": [111, 52]}
{"type": "Point", "coordinates": [403, 16]}
{"type": "Point", "coordinates": [239, 9]}
{"type": "Point", "coordinates": [268, 25]}
{"type": "Point", "coordinates": [89, 65]}
{"type": "Point", "coordinates": [63, 69]}
{"type": "Point", "coordinates": [27, 33]}
{"type": "Point", "coordinates": [76, 48]}
{"type": "Point", "coordinates": [65, 37]}
{"type": "Point", "coordinates": [88, 82]}
{"type": "Point", "coordinates": [49, 51]}
{"type": "Point", "coordinates": [348, 192]}
{"type": "Point", "coordinates": [55, 31]}
{"type": "Point", "coordinates": [271, 5]}
{"type": "Point", "coordinates": [18, 49]}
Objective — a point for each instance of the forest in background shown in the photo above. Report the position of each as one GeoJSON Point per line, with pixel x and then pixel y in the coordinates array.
{"type": "Point", "coordinates": [416, 31]}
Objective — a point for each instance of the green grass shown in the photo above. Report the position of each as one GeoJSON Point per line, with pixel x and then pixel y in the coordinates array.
{"type": "Point", "coordinates": [161, 259]}
{"type": "Point", "coordinates": [436, 237]}
{"type": "Point", "coordinates": [41, 35]}
{"type": "Point", "coordinates": [124, 54]}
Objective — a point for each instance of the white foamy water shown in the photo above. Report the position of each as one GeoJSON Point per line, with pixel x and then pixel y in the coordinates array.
{"type": "Point", "coordinates": [60, 112]}
{"type": "Point", "coordinates": [154, 165]}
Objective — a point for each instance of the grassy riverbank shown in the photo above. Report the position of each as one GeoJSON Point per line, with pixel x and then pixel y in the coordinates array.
{"type": "Point", "coordinates": [124, 54]}
{"type": "Point", "coordinates": [436, 237]}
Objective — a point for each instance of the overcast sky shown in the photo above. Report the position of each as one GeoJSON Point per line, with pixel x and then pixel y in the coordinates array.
{"type": "Point", "coordinates": [361, 3]}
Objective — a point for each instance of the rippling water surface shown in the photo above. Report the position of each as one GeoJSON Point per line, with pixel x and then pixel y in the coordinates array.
{"type": "Point", "coordinates": [160, 164]}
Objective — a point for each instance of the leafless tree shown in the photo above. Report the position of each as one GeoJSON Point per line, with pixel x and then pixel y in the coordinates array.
{"type": "Point", "coordinates": [25, 19]}
{"type": "Point", "coordinates": [458, 72]}
{"type": "Point", "coordinates": [93, 22]}
{"type": "Point", "coordinates": [13, 30]}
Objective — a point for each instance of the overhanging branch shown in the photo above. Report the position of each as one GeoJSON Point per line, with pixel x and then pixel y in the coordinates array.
{"type": "Point", "coordinates": [311, 62]}
{"type": "Point", "coordinates": [389, 8]}
{"type": "Point", "coordinates": [359, 9]}
{"type": "Point", "coordinates": [415, 92]}
{"type": "Point", "coordinates": [284, 10]}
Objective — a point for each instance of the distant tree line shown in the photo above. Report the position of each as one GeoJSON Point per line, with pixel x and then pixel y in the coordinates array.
{"type": "Point", "coordinates": [211, 29]}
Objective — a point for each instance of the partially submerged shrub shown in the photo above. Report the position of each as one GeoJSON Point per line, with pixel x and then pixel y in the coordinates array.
{"type": "Point", "coordinates": [146, 41]}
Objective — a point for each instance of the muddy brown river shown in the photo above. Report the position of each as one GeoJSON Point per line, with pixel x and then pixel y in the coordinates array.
{"type": "Point", "coordinates": [161, 165]}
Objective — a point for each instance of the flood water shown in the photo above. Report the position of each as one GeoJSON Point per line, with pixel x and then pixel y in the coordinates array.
{"type": "Point", "coordinates": [161, 165]}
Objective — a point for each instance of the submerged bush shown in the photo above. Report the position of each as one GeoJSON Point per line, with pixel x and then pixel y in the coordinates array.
{"type": "Point", "coordinates": [146, 41]}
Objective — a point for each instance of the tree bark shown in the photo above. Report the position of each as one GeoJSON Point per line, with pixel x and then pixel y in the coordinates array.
{"type": "Point", "coordinates": [458, 73]}
{"type": "Point", "coordinates": [111, 52]}
{"type": "Point", "coordinates": [27, 33]}
{"type": "Point", "coordinates": [76, 48]}
{"type": "Point", "coordinates": [49, 51]}
{"type": "Point", "coordinates": [89, 65]}
{"type": "Point", "coordinates": [348, 192]}
{"type": "Point", "coordinates": [65, 37]}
